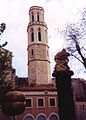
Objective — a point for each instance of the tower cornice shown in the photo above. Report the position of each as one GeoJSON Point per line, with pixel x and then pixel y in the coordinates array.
{"type": "Point", "coordinates": [36, 8]}
{"type": "Point", "coordinates": [37, 23]}
{"type": "Point", "coordinates": [38, 60]}
{"type": "Point", "coordinates": [37, 44]}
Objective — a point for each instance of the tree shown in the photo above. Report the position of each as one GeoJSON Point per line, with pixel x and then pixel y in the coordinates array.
{"type": "Point", "coordinates": [5, 84]}
{"type": "Point", "coordinates": [2, 28]}
{"type": "Point", "coordinates": [12, 101]}
{"type": "Point", "coordinates": [75, 35]}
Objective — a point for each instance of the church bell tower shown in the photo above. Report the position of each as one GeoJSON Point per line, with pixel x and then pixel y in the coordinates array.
{"type": "Point", "coordinates": [38, 49]}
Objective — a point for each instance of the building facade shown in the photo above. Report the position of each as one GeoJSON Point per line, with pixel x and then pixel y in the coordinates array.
{"type": "Point", "coordinates": [79, 91]}
{"type": "Point", "coordinates": [41, 103]}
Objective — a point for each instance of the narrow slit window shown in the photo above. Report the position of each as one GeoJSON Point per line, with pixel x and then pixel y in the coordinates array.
{"type": "Point", "coordinates": [39, 34]}
{"type": "Point", "coordinates": [46, 35]}
{"type": "Point", "coordinates": [32, 16]}
{"type": "Point", "coordinates": [32, 52]}
{"type": "Point", "coordinates": [32, 34]}
{"type": "Point", "coordinates": [38, 16]}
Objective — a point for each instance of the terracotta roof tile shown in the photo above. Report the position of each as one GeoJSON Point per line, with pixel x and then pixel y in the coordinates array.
{"type": "Point", "coordinates": [38, 88]}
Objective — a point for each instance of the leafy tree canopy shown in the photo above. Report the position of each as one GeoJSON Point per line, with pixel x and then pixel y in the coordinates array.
{"type": "Point", "coordinates": [5, 84]}
{"type": "Point", "coordinates": [2, 28]}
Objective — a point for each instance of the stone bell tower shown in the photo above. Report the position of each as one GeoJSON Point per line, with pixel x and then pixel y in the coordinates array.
{"type": "Point", "coordinates": [38, 49]}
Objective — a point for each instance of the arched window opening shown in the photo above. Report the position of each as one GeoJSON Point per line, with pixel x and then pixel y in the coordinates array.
{"type": "Point", "coordinates": [46, 35]}
{"type": "Point", "coordinates": [41, 117]}
{"type": "Point", "coordinates": [28, 118]}
{"type": "Point", "coordinates": [39, 34]}
{"type": "Point", "coordinates": [38, 16]}
{"type": "Point", "coordinates": [32, 16]}
{"type": "Point", "coordinates": [53, 117]}
{"type": "Point", "coordinates": [32, 34]}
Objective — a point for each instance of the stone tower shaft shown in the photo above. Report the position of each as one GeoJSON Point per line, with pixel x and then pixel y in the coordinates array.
{"type": "Point", "coordinates": [38, 49]}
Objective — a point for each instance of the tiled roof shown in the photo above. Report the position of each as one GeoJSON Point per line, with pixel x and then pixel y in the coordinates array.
{"type": "Point", "coordinates": [38, 88]}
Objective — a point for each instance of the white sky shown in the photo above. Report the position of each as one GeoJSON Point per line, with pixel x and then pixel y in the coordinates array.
{"type": "Point", "coordinates": [15, 14]}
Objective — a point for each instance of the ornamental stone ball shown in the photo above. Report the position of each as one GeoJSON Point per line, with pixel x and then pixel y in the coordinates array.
{"type": "Point", "coordinates": [13, 103]}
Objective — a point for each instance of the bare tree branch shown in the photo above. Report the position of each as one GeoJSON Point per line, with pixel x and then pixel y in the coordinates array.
{"type": "Point", "coordinates": [75, 36]}
{"type": "Point", "coordinates": [76, 58]}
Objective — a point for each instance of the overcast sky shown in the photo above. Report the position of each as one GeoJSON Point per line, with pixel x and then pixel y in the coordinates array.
{"type": "Point", "coordinates": [57, 13]}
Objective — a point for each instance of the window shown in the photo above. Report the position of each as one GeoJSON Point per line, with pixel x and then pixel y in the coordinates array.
{"type": "Point", "coordinates": [32, 52]}
{"type": "Point", "coordinates": [28, 118]}
{"type": "Point", "coordinates": [32, 16]}
{"type": "Point", "coordinates": [39, 34]}
{"type": "Point", "coordinates": [52, 102]}
{"type": "Point", "coordinates": [40, 102]}
{"type": "Point", "coordinates": [29, 102]}
{"type": "Point", "coordinates": [83, 107]}
{"type": "Point", "coordinates": [41, 117]}
{"type": "Point", "coordinates": [38, 16]}
{"type": "Point", "coordinates": [47, 53]}
{"type": "Point", "coordinates": [53, 117]}
{"type": "Point", "coordinates": [32, 34]}
{"type": "Point", "coordinates": [46, 35]}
